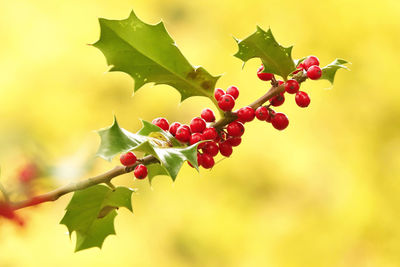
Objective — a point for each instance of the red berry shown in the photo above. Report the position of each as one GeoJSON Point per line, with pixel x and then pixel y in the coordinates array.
{"type": "Point", "coordinates": [264, 76]}
{"type": "Point", "coordinates": [186, 127]}
{"type": "Point", "coordinates": [262, 113]}
{"type": "Point", "coordinates": [128, 159]}
{"type": "Point", "coordinates": [292, 86]}
{"type": "Point", "coordinates": [277, 100]}
{"type": "Point", "coordinates": [218, 93]}
{"type": "Point", "coordinates": [211, 148]}
{"type": "Point", "coordinates": [174, 126]}
{"type": "Point", "coordinates": [225, 148]}
{"type": "Point", "coordinates": [233, 91]}
{"type": "Point", "coordinates": [314, 72]}
{"type": "Point", "coordinates": [183, 133]}
{"type": "Point", "coordinates": [280, 121]}
{"type": "Point", "coordinates": [197, 125]}
{"type": "Point", "coordinates": [226, 102]}
{"type": "Point", "coordinates": [234, 141]}
{"type": "Point", "coordinates": [28, 172]}
{"type": "Point", "coordinates": [302, 99]}
{"type": "Point", "coordinates": [195, 138]}
{"type": "Point", "coordinates": [235, 129]}
{"type": "Point", "coordinates": [210, 134]}
{"type": "Point", "coordinates": [246, 114]}
{"type": "Point", "coordinates": [208, 115]}
{"type": "Point", "coordinates": [280, 82]}
{"type": "Point", "coordinates": [207, 161]}
{"type": "Point", "coordinates": [162, 123]}
{"type": "Point", "coordinates": [140, 171]}
{"type": "Point", "coordinates": [310, 61]}
{"type": "Point", "coordinates": [271, 113]}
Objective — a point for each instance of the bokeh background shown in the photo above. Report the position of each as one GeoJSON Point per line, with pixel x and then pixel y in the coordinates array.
{"type": "Point", "coordinates": [324, 192]}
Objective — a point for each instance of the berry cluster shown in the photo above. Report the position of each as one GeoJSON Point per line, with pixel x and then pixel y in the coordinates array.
{"type": "Point", "coordinates": [129, 159]}
{"type": "Point", "coordinates": [221, 140]}
{"type": "Point", "coordinates": [310, 68]}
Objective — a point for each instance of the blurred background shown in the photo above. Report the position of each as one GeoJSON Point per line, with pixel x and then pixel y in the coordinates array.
{"type": "Point", "coordinates": [324, 192]}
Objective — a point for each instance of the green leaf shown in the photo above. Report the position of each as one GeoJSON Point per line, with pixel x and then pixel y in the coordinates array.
{"type": "Point", "coordinates": [155, 170]}
{"type": "Point", "coordinates": [329, 71]}
{"type": "Point", "coordinates": [148, 54]}
{"type": "Point", "coordinates": [150, 140]}
{"type": "Point", "coordinates": [262, 44]}
{"type": "Point", "coordinates": [91, 214]}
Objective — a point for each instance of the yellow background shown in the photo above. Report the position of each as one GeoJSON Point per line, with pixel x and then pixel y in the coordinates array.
{"type": "Point", "coordinates": [325, 192]}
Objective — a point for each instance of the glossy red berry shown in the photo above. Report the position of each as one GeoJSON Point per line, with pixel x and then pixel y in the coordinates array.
{"type": "Point", "coordinates": [264, 76]}
{"type": "Point", "coordinates": [310, 61]}
{"type": "Point", "coordinates": [277, 100]}
{"type": "Point", "coordinates": [128, 159]}
{"type": "Point", "coordinates": [271, 113]}
{"type": "Point", "coordinates": [162, 123]}
{"type": "Point", "coordinates": [174, 126]}
{"type": "Point", "coordinates": [292, 86]}
{"type": "Point", "coordinates": [235, 129]}
{"type": "Point", "coordinates": [302, 99]}
{"type": "Point", "coordinates": [183, 133]}
{"type": "Point", "coordinates": [246, 114]}
{"type": "Point", "coordinates": [262, 113]}
{"type": "Point", "coordinates": [186, 127]}
{"type": "Point", "coordinates": [211, 148]}
{"type": "Point", "coordinates": [226, 102]}
{"type": "Point", "coordinates": [218, 93]}
{"type": "Point", "coordinates": [197, 125]}
{"type": "Point", "coordinates": [208, 115]}
{"type": "Point", "coordinates": [140, 171]}
{"type": "Point", "coordinates": [195, 138]}
{"type": "Point", "coordinates": [207, 161]}
{"type": "Point", "coordinates": [233, 91]}
{"type": "Point", "coordinates": [234, 141]}
{"type": "Point", "coordinates": [210, 133]}
{"type": "Point", "coordinates": [225, 149]}
{"type": "Point", "coordinates": [314, 72]}
{"type": "Point", "coordinates": [280, 121]}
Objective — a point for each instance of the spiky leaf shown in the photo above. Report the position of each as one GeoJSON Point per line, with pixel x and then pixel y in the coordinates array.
{"type": "Point", "coordinates": [150, 140]}
{"type": "Point", "coordinates": [262, 44]}
{"type": "Point", "coordinates": [148, 54]}
{"type": "Point", "coordinates": [91, 214]}
{"type": "Point", "coordinates": [329, 71]}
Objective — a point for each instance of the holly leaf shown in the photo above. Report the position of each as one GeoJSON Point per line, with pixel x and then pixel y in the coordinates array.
{"type": "Point", "coordinates": [149, 55]}
{"type": "Point", "coordinates": [91, 213]}
{"type": "Point", "coordinates": [262, 44]}
{"type": "Point", "coordinates": [329, 71]}
{"type": "Point", "coordinates": [151, 140]}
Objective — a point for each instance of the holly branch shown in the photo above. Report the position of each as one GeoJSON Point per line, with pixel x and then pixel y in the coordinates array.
{"type": "Point", "coordinates": [149, 55]}
{"type": "Point", "coordinates": [106, 177]}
